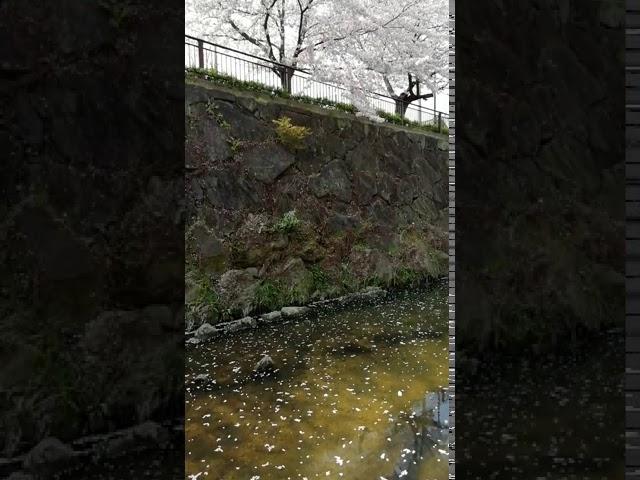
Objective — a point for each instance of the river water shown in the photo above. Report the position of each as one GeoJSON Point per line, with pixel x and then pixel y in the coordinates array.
{"type": "Point", "coordinates": [355, 396]}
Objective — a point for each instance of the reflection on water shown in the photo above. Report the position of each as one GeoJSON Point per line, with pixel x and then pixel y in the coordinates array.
{"type": "Point", "coordinates": [347, 399]}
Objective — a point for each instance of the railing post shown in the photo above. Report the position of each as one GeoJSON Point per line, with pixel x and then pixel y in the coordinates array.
{"type": "Point", "coordinates": [200, 54]}
{"type": "Point", "coordinates": [215, 58]}
{"type": "Point", "coordinates": [440, 122]}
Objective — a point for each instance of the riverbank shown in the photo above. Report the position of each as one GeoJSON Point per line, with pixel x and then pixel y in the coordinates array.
{"type": "Point", "coordinates": [207, 332]}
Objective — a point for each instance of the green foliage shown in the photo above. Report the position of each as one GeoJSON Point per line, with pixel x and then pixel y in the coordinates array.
{"type": "Point", "coordinates": [405, 277]}
{"type": "Point", "coordinates": [290, 135]}
{"type": "Point", "coordinates": [269, 296]}
{"type": "Point", "coordinates": [234, 144]}
{"type": "Point", "coordinates": [207, 294]}
{"type": "Point", "coordinates": [212, 110]}
{"type": "Point", "coordinates": [319, 279]}
{"type": "Point", "coordinates": [360, 246]}
{"type": "Point", "coordinates": [347, 282]}
{"type": "Point", "coordinates": [288, 223]}
{"type": "Point", "coordinates": [224, 80]}
{"type": "Point", "coordinates": [394, 250]}
{"type": "Point", "coordinates": [399, 120]}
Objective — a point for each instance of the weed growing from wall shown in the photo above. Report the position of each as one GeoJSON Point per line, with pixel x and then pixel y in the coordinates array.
{"type": "Point", "coordinates": [289, 223]}
{"type": "Point", "coordinates": [290, 135]}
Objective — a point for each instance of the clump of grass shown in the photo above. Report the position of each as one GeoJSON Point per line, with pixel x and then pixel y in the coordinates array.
{"type": "Point", "coordinates": [319, 279]}
{"type": "Point", "coordinates": [205, 292]}
{"type": "Point", "coordinates": [399, 120]}
{"type": "Point", "coordinates": [227, 81]}
{"type": "Point", "coordinates": [269, 296]}
{"type": "Point", "coordinates": [405, 277]}
{"type": "Point", "coordinates": [290, 135]}
{"type": "Point", "coordinates": [289, 223]}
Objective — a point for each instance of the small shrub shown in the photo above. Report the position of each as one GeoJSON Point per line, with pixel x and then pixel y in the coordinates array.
{"type": "Point", "coordinates": [288, 223]}
{"type": "Point", "coordinates": [290, 135]}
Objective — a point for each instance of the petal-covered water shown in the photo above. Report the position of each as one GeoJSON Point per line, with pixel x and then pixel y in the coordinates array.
{"type": "Point", "coordinates": [347, 400]}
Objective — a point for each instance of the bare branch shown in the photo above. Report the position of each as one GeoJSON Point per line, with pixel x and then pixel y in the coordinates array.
{"type": "Point", "coordinates": [265, 27]}
{"type": "Point", "coordinates": [245, 35]}
{"type": "Point", "coordinates": [387, 84]}
{"type": "Point", "coordinates": [282, 30]}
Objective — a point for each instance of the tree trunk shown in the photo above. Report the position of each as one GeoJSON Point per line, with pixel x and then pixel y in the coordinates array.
{"type": "Point", "coordinates": [285, 74]}
{"type": "Point", "coordinates": [401, 106]}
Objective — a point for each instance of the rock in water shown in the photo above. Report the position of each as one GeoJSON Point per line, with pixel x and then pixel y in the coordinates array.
{"type": "Point", "coordinates": [265, 366]}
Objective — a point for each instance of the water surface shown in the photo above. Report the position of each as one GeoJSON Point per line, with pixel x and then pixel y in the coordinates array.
{"type": "Point", "coordinates": [350, 398]}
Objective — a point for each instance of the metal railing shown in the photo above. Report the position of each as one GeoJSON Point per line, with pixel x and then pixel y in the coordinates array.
{"type": "Point", "coordinates": [245, 67]}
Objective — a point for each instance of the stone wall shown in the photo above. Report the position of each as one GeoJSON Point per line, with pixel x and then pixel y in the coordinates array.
{"type": "Point", "coordinates": [368, 202]}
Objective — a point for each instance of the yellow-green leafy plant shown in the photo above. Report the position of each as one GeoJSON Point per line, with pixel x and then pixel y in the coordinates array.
{"type": "Point", "coordinates": [290, 135]}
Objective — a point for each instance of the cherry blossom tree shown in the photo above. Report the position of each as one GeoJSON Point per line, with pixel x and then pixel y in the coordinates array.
{"type": "Point", "coordinates": [399, 47]}
{"type": "Point", "coordinates": [281, 30]}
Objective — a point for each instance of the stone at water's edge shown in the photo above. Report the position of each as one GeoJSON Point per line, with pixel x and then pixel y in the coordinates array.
{"type": "Point", "coordinates": [289, 312]}
{"type": "Point", "coordinates": [238, 325]}
{"type": "Point", "coordinates": [271, 316]}
{"type": "Point", "coordinates": [206, 331]}
{"type": "Point", "coordinates": [265, 366]}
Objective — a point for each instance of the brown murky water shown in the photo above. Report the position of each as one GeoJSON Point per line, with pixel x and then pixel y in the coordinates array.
{"type": "Point", "coordinates": [347, 402]}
